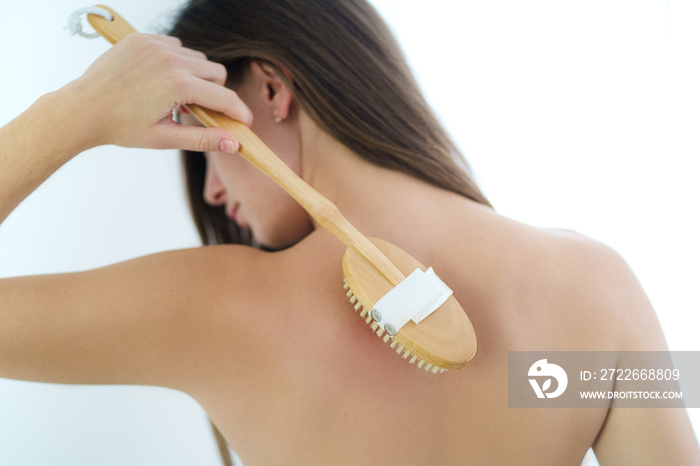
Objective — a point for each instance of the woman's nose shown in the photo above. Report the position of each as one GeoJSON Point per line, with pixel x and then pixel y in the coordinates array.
{"type": "Point", "coordinates": [214, 191]}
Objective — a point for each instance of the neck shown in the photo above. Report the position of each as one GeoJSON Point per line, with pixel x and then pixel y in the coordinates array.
{"type": "Point", "coordinates": [359, 188]}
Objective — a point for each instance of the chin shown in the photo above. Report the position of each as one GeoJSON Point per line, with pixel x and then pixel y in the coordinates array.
{"type": "Point", "coordinates": [281, 237]}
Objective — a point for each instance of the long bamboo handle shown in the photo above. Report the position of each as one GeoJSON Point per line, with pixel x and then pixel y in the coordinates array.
{"type": "Point", "coordinates": [256, 151]}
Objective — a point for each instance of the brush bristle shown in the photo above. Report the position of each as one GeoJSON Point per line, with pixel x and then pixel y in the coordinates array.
{"type": "Point", "coordinates": [379, 331]}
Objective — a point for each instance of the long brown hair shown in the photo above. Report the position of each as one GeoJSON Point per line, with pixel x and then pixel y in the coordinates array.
{"type": "Point", "coordinates": [347, 73]}
{"type": "Point", "coordinates": [344, 68]}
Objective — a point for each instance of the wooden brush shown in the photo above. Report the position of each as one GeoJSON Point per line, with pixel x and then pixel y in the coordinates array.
{"type": "Point", "coordinates": [443, 340]}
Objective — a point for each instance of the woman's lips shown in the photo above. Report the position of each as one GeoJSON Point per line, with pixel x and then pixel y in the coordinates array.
{"type": "Point", "coordinates": [232, 212]}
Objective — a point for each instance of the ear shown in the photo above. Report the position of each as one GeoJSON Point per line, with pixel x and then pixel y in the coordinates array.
{"type": "Point", "coordinates": [276, 93]}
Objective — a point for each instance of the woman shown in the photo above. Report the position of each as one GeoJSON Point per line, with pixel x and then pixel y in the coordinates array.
{"type": "Point", "coordinates": [263, 340]}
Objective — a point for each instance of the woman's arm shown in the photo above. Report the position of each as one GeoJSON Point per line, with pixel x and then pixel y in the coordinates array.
{"type": "Point", "coordinates": [36, 144]}
{"type": "Point", "coordinates": [144, 321]}
{"type": "Point", "coordinates": [125, 98]}
{"type": "Point", "coordinates": [156, 320]}
{"type": "Point", "coordinates": [639, 436]}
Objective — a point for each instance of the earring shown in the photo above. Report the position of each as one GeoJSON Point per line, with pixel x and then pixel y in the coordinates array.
{"type": "Point", "coordinates": [276, 116]}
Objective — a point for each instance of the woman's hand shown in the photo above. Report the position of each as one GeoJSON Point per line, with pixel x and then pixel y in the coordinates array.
{"type": "Point", "coordinates": [127, 96]}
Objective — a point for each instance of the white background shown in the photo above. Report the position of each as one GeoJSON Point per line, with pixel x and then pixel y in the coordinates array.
{"type": "Point", "coordinates": [582, 115]}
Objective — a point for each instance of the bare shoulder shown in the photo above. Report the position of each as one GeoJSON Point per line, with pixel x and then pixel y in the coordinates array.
{"type": "Point", "coordinates": [598, 284]}
{"type": "Point", "coordinates": [604, 307]}
{"type": "Point", "coordinates": [584, 259]}
{"type": "Point", "coordinates": [642, 435]}
{"type": "Point", "coordinates": [146, 321]}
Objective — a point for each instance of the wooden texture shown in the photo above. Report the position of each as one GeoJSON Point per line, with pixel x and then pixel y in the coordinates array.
{"type": "Point", "coordinates": [445, 338]}
{"type": "Point", "coordinates": [256, 151]}
{"type": "Point", "coordinates": [114, 30]}
{"type": "Point", "coordinates": [324, 211]}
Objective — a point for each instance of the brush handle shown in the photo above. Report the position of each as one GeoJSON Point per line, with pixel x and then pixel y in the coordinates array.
{"type": "Point", "coordinates": [256, 151]}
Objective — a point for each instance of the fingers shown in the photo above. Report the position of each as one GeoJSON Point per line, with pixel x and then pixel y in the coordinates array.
{"type": "Point", "coordinates": [186, 52]}
{"type": "Point", "coordinates": [209, 90]}
{"type": "Point", "coordinates": [207, 70]}
{"type": "Point", "coordinates": [163, 75]}
{"type": "Point", "coordinates": [219, 98]}
{"type": "Point", "coordinates": [194, 138]}
{"type": "Point", "coordinates": [194, 60]}
{"type": "Point", "coordinates": [163, 38]}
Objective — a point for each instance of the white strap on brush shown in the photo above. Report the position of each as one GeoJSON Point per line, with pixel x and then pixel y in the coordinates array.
{"type": "Point", "coordinates": [415, 298]}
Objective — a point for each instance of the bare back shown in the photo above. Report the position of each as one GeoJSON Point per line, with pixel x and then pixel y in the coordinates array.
{"type": "Point", "coordinates": [327, 391]}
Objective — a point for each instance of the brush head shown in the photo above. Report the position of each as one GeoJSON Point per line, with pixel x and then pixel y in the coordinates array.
{"type": "Point", "coordinates": [443, 340]}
